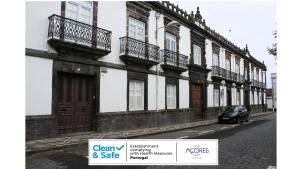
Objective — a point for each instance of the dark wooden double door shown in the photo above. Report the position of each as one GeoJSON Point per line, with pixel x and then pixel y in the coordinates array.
{"type": "Point", "coordinates": [74, 103]}
{"type": "Point", "coordinates": [197, 101]}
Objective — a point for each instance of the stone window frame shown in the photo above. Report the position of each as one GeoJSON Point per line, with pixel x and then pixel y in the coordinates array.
{"type": "Point", "coordinates": [199, 41]}
{"type": "Point", "coordinates": [140, 14]}
{"type": "Point", "coordinates": [140, 77]}
{"type": "Point", "coordinates": [94, 17]}
{"type": "Point", "coordinates": [216, 50]}
{"type": "Point", "coordinates": [175, 81]}
{"type": "Point", "coordinates": [173, 31]}
{"type": "Point", "coordinates": [216, 87]}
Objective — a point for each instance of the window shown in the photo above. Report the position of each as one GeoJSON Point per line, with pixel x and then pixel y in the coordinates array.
{"type": "Point", "coordinates": [216, 97]}
{"type": "Point", "coordinates": [197, 54]}
{"type": "Point", "coordinates": [245, 73]}
{"type": "Point", "coordinates": [80, 11]}
{"type": "Point", "coordinates": [237, 67]}
{"type": "Point", "coordinates": [171, 42]}
{"type": "Point", "coordinates": [227, 63]}
{"type": "Point", "coordinates": [171, 96]}
{"type": "Point", "coordinates": [215, 59]}
{"type": "Point", "coordinates": [136, 29]}
{"type": "Point", "coordinates": [238, 97]}
{"type": "Point", "coordinates": [136, 95]}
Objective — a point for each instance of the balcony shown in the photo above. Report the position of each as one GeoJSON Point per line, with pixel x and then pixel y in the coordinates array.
{"type": "Point", "coordinates": [220, 73]}
{"type": "Point", "coordinates": [240, 78]}
{"type": "Point", "coordinates": [174, 61]}
{"type": "Point", "coordinates": [223, 74]}
{"type": "Point", "coordinates": [256, 83]}
{"type": "Point", "coordinates": [137, 52]}
{"type": "Point", "coordinates": [67, 35]}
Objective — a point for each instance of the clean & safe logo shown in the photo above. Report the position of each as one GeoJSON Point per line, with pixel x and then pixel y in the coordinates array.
{"type": "Point", "coordinates": [107, 152]}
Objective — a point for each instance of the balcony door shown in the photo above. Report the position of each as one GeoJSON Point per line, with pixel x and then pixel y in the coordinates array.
{"type": "Point", "coordinates": [227, 64]}
{"type": "Point", "coordinates": [171, 46]}
{"type": "Point", "coordinates": [81, 11]}
{"type": "Point", "coordinates": [136, 34]}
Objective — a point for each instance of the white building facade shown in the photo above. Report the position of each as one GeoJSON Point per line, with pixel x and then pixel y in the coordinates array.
{"type": "Point", "coordinates": [149, 64]}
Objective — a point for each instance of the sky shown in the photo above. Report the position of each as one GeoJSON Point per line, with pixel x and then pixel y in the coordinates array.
{"type": "Point", "coordinates": [250, 22]}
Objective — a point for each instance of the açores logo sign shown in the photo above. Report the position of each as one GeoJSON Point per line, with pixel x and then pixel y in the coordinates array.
{"type": "Point", "coordinates": [107, 152]}
{"type": "Point", "coordinates": [197, 150]}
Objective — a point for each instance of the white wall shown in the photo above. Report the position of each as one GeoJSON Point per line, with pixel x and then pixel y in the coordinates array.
{"type": "Point", "coordinates": [242, 96]}
{"type": "Point", "coordinates": [113, 90]}
{"type": "Point", "coordinates": [242, 66]}
{"type": "Point", "coordinates": [151, 92]}
{"type": "Point", "coordinates": [222, 58]}
{"type": "Point", "coordinates": [225, 95]}
{"type": "Point", "coordinates": [38, 85]}
{"type": "Point", "coordinates": [223, 100]}
{"type": "Point", "coordinates": [208, 56]}
{"type": "Point", "coordinates": [255, 97]}
{"type": "Point", "coordinates": [185, 44]}
{"type": "Point", "coordinates": [36, 23]}
{"type": "Point", "coordinates": [152, 28]}
{"type": "Point", "coordinates": [210, 96]}
{"type": "Point", "coordinates": [232, 62]}
{"type": "Point", "coordinates": [114, 21]}
{"type": "Point", "coordinates": [233, 96]}
{"type": "Point", "coordinates": [161, 92]}
{"type": "Point", "coordinates": [184, 89]}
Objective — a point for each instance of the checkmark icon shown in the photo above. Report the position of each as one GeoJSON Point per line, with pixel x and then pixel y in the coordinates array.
{"type": "Point", "coordinates": [119, 148]}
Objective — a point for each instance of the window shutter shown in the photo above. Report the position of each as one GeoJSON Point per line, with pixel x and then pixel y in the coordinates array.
{"type": "Point", "coordinates": [136, 95]}
{"type": "Point", "coordinates": [139, 95]}
{"type": "Point", "coordinates": [174, 97]}
{"type": "Point", "coordinates": [132, 98]}
{"type": "Point", "coordinates": [171, 96]}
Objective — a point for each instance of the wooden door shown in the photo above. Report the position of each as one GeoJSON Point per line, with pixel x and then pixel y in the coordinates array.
{"type": "Point", "coordinates": [74, 103]}
{"type": "Point", "coordinates": [246, 100]}
{"type": "Point", "coordinates": [228, 97]}
{"type": "Point", "coordinates": [197, 96]}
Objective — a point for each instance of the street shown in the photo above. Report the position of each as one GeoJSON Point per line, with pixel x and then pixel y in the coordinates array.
{"type": "Point", "coordinates": [250, 145]}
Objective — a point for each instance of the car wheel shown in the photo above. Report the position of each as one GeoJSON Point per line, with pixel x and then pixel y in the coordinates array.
{"type": "Point", "coordinates": [238, 120]}
{"type": "Point", "coordinates": [220, 121]}
{"type": "Point", "coordinates": [247, 119]}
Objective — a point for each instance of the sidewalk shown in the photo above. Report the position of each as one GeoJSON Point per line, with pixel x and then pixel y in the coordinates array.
{"type": "Point", "coordinates": [81, 138]}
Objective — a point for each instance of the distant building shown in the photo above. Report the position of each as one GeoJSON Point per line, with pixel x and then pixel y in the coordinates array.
{"type": "Point", "coordinates": [274, 92]}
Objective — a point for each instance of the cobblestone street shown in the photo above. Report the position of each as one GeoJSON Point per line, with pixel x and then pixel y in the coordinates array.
{"type": "Point", "coordinates": [250, 145]}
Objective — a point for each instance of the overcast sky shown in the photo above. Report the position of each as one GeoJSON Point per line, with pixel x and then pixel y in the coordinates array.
{"type": "Point", "coordinates": [251, 23]}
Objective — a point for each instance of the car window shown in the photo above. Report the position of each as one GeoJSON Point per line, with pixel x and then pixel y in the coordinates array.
{"type": "Point", "coordinates": [232, 108]}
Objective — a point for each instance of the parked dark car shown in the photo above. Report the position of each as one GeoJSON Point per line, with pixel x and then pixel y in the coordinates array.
{"type": "Point", "coordinates": [235, 114]}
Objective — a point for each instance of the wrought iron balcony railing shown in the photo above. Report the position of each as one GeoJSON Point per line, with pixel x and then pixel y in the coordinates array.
{"type": "Point", "coordinates": [220, 72]}
{"type": "Point", "coordinates": [242, 79]}
{"type": "Point", "coordinates": [257, 83]}
{"type": "Point", "coordinates": [69, 30]}
{"type": "Point", "coordinates": [174, 59]}
{"type": "Point", "coordinates": [138, 49]}
{"type": "Point", "coordinates": [234, 76]}
{"type": "Point", "coordinates": [227, 74]}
